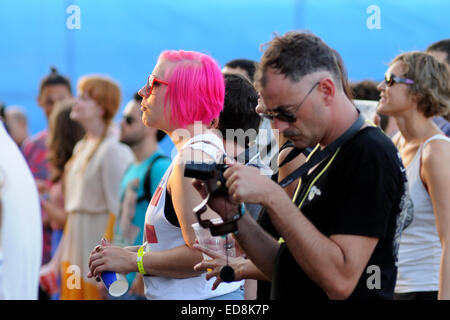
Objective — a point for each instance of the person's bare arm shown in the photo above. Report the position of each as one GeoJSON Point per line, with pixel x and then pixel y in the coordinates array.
{"type": "Point", "coordinates": [436, 176]}
{"type": "Point", "coordinates": [243, 268]}
{"type": "Point", "coordinates": [177, 262]}
{"type": "Point", "coordinates": [288, 168]}
{"type": "Point", "coordinates": [335, 263]}
{"type": "Point", "coordinates": [55, 213]}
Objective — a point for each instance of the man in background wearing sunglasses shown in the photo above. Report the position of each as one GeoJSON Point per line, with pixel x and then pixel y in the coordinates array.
{"type": "Point", "coordinates": [138, 184]}
{"type": "Point", "coordinates": [339, 232]}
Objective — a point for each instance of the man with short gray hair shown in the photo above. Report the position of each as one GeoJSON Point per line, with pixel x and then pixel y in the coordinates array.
{"type": "Point", "coordinates": [340, 232]}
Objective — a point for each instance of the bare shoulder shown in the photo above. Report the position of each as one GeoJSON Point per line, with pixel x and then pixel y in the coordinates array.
{"type": "Point", "coordinates": [435, 163]}
{"type": "Point", "coordinates": [195, 155]}
{"type": "Point", "coordinates": [185, 156]}
{"type": "Point", "coordinates": [436, 153]}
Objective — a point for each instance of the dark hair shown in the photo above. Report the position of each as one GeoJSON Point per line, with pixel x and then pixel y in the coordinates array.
{"type": "Point", "coordinates": [343, 74]}
{"type": "Point", "coordinates": [2, 111]}
{"type": "Point", "coordinates": [3, 116]}
{"type": "Point", "coordinates": [443, 46]}
{"type": "Point", "coordinates": [365, 90]}
{"type": "Point", "coordinates": [384, 121]}
{"type": "Point", "coordinates": [297, 54]}
{"type": "Point", "coordinates": [54, 78]}
{"type": "Point", "coordinates": [159, 134]}
{"type": "Point", "coordinates": [248, 65]}
{"type": "Point", "coordinates": [241, 100]}
{"type": "Point", "coordinates": [64, 133]}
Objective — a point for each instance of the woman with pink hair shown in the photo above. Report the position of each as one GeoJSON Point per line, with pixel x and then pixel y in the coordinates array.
{"type": "Point", "coordinates": [183, 96]}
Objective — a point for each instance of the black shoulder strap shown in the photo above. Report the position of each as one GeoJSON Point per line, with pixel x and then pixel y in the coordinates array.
{"type": "Point", "coordinates": [293, 153]}
{"type": "Point", "coordinates": [323, 154]}
{"type": "Point", "coordinates": [147, 196]}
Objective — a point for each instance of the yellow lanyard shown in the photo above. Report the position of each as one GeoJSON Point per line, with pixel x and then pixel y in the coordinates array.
{"type": "Point", "coordinates": [297, 191]}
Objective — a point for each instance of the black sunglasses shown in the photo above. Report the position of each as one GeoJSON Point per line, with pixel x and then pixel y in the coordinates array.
{"type": "Point", "coordinates": [282, 115]}
{"type": "Point", "coordinates": [129, 119]}
{"type": "Point", "coordinates": [390, 80]}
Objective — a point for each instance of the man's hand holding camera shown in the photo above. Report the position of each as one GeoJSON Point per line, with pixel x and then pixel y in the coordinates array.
{"type": "Point", "coordinates": [243, 183]}
{"type": "Point", "coordinates": [246, 184]}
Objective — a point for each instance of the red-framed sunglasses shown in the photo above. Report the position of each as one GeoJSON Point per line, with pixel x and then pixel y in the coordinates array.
{"type": "Point", "coordinates": [146, 91]}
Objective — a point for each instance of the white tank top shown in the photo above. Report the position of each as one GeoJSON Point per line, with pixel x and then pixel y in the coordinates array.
{"type": "Point", "coordinates": [161, 235]}
{"type": "Point", "coordinates": [420, 248]}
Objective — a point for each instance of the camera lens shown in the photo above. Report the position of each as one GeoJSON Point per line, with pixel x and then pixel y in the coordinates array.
{"type": "Point", "coordinates": [201, 171]}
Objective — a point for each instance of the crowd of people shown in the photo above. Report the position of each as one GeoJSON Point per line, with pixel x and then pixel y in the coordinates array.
{"type": "Point", "coordinates": [345, 198]}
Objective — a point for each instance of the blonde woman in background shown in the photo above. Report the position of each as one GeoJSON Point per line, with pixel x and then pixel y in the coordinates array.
{"type": "Point", "coordinates": [415, 89]}
{"type": "Point", "coordinates": [91, 186]}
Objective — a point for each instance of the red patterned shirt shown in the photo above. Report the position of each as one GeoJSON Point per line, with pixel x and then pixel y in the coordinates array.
{"type": "Point", "coordinates": [35, 153]}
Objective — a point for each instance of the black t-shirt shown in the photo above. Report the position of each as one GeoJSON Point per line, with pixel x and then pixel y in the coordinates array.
{"type": "Point", "coordinates": [263, 287]}
{"type": "Point", "coordinates": [361, 191]}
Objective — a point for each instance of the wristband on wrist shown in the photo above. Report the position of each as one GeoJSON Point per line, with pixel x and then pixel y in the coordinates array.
{"type": "Point", "coordinates": [241, 212]}
{"type": "Point", "coordinates": [242, 209]}
{"type": "Point", "coordinates": [140, 260]}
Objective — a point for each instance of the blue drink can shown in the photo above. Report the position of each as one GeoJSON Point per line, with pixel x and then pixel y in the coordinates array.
{"type": "Point", "coordinates": [115, 283]}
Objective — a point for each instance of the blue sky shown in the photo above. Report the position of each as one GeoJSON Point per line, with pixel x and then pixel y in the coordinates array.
{"type": "Point", "coordinates": [123, 38]}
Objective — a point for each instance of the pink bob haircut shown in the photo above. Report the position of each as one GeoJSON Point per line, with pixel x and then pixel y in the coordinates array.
{"type": "Point", "coordinates": [196, 87]}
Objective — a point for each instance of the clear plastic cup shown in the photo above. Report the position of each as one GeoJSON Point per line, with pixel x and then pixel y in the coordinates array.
{"type": "Point", "coordinates": [221, 244]}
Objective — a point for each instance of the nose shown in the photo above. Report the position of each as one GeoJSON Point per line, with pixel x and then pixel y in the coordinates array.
{"type": "Point", "coordinates": [280, 125]}
{"type": "Point", "coordinates": [141, 92]}
{"type": "Point", "coordinates": [260, 107]}
{"type": "Point", "coordinates": [381, 86]}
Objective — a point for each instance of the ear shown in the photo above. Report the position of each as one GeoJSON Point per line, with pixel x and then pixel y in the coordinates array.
{"type": "Point", "coordinates": [214, 123]}
{"type": "Point", "coordinates": [327, 88]}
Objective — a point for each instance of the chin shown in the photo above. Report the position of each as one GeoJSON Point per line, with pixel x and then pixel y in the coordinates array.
{"type": "Point", "coordinates": [383, 110]}
{"type": "Point", "coordinates": [382, 107]}
{"type": "Point", "coordinates": [146, 118]}
{"type": "Point", "coordinates": [127, 142]}
{"type": "Point", "coordinates": [146, 122]}
{"type": "Point", "coordinates": [151, 123]}
{"type": "Point", "coordinates": [298, 143]}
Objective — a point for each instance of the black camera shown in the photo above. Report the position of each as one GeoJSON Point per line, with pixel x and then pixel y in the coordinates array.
{"type": "Point", "coordinates": [211, 173]}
